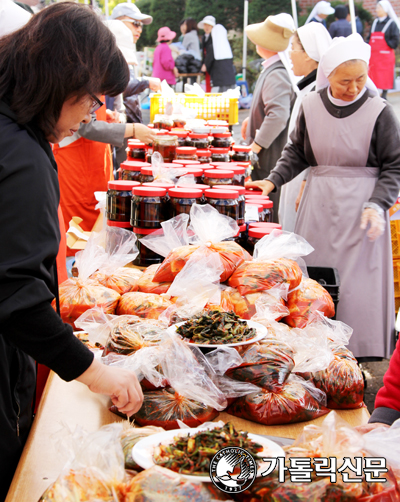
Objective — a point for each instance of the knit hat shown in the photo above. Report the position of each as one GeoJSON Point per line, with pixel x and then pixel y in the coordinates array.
{"type": "Point", "coordinates": [273, 34]}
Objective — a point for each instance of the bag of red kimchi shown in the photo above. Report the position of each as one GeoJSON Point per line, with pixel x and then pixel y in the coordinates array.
{"type": "Point", "coordinates": [123, 279]}
{"type": "Point", "coordinates": [81, 293]}
{"type": "Point", "coordinates": [297, 401]}
{"type": "Point", "coordinates": [305, 300]}
{"type": "Point", "coordinates": [207, 230]}
{"type": "Point", "coordinates": [146, 284]}
{"type": "Point", "coordinates": [267, 365]}
{"type": "Point", "coordinates": [146, 305]}
{"type": "Point", "coordinates": [273, 264]}
{"type": "Point", "coordinates": [342, 382]}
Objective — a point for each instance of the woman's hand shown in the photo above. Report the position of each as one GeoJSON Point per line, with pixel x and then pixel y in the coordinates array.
{"type": "Point", "coordinates": [363, 429]}
{"type": "Point", "coordinates": [298, 200]}
{"type": "Point", "coordinates": [144, 134]}
{"type": "Point", "coordinates": [244, 128]}
{"type": "Point", "coordinates": [121, 385]}
{"type": "Point", "coordinates": [204, 68]}
{"type": "Point", "coordinates": [176, 72]}
{"type": "Point", "coordinates": [376, 221]}
{"type": "Point", "coordinates": [265, 185]}
{"type": "Point", "coordinates": [256, 148]}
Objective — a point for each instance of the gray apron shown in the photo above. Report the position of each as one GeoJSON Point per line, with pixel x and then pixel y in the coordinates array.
{"type": "Point", "coordinates": [329, 219]}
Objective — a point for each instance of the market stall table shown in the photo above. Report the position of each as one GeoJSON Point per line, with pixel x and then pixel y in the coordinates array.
{"type": "Point", "coordinates": [73, 404]}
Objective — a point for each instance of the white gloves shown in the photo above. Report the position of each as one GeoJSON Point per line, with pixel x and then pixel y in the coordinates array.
{"type": "Point", "coordinates": [374, 215]}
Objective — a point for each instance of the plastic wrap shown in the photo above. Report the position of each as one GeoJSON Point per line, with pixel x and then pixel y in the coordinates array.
{"type": "Point", "coordinates": [129, 334]}
{"type": "Point", "coordinates": [273, 264]}
{"type": "Point", "coordinates": [385, 442]}
{"type": "Point", "coordinates": [297, 401]}
{"type": "Point", "coordinates": [267, 365]}
{"type": "Point", "coordinates": [146, 305]}
{"type": "Point", "coordinates": [132, 435]}
{"type": "Point", "coordinates": [95, 470]}
{"type": "Point", "coordinates": [162, 485]}
{"type": "Point", "coordinates": [146, 285]}
{"type": "Point", "coordinates": [342, 382]}
{"type": "Point", "coordinates": [305, 300]}
{"type": "Point", "coordinates": [208, 229]}
{"type": "Point", "coordinates": [163, 174]}
{"type": "Point", "coordinates": [122, 280]}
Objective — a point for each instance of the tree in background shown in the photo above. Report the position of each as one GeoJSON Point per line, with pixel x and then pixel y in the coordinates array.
{"type": "Point", "coordinates": [165, 13]}
{"type": "Point", "coordinates": [145, 40]}
{"type": "Point", "coordinates": [229, 13]}
{"type": "Point", "coordinates": [259, 10]}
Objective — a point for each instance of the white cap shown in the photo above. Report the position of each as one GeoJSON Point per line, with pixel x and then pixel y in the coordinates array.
{"type": "Point", "coordinates": [325, 8]}
{"type": "Point", "coordinates": [207, 20]}
{"type": "Point", "coordinates": [124, 39]}
{"type": "Point", "coordinates": [12, 17]}
{"type": "Point", "coordinates": [130, 10]}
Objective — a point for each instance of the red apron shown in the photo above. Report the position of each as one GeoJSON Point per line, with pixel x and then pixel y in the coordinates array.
{"type": "Point", "coordinates": [382, 62]}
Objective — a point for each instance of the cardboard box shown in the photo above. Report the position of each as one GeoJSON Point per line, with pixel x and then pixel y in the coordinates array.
{"type": "Point", "coordinates": [77, 237]}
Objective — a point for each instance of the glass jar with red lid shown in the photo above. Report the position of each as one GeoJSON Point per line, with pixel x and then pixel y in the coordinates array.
{"type": "Point", "coordinates": [213, 177]}
{"type": "Point", "coordinates": [186, 153]}
{"type": "Point", "coordinates": [154, 184]}
{"type": "Point", "coordinates": [129, 170]}
{"type": "Point", "coordinates": [166, 145]}
{"type": "Point", "coordinates": [113, 239]}
{"type": "Point", "coordinates": [149, 207]}
{"type": "Point", "coordinates": [241, 199]}
{"type": "Point", "coordinates": [255, 197]}
{"type": "Point", "coordinates": [241, 153]}
{"type": "Point", "coordinates": [204, 156]}
{"type": "Point", "coordinates": [197, 186]}
{"type": "Point", "coordinates": [263, 224]}
{"type": "Point", "coordinates": [196, 171]}
{"type": "Point", "coordinates": [224, 201]}
{"type": "Point", "coordinates": [254, 234]}
{"type": "Point", "coordinates": [184, 162]}
{"type": "Point", "coordinates": [267, 205]}
{"type": "Point", "coordinates": [253, 212]}
{"type": "Point", "coordinates": [146, 174]}
{"type": "Point", "coordinates": [181, 135]}
{"type": "Point", "coordinates": [182, 199]}
{"type": "Point", "coordinates": [239, 173]}
{"type": "Point", "coordinates": [163, 122]}
{"type": "Point", "coordinates": [219, 155]}
{"type": "Point", "coordinates": [241, 237]}
{"type": "Point", "coordinates": [222, 140]}
{"type": "Point", "coordinates": [146, 256]}
{"type": "Point", "coordinates": [118, 200]}
{"type": "Point", "coordinates": [136, 151]}
{"type": "Point", "coordinates": [198, 141]}
{"type": "Point", "coordinates": [253, 191]}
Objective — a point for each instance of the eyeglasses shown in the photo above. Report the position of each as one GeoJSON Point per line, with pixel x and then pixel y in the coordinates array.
{"type": "Point", "coordinates": [138, 24]}
{"type": "Point", "coordinates": [96, 104]}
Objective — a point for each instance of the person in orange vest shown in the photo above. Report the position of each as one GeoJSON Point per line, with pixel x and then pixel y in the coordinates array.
{"type": "Point", "coordinates": [383, 39]}
{"type": "Point", "coordinates": [85, 165]}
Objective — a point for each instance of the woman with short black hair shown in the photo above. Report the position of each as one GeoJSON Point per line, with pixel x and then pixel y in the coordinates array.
{"type": "Point", "coordinates": [52, 73]}
{"type": "Point", "coordinates": [191, 40]}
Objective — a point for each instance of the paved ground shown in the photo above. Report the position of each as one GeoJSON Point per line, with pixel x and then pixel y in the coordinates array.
{"type": "Point", "coordinates": [373, 371]}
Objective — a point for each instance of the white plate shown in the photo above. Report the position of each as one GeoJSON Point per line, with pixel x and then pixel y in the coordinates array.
{"type": "Point", "coordinates": [142, 452]}
{"type": "Point", "coordinates": [262, 332]}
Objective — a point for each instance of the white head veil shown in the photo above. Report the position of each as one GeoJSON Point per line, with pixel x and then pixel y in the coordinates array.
{"type": "Point", "coordinates": [12, 17]}
{"type": "Point", "coordinates": [387, 7]}
{"type": "Point", "coordinates": [341, 50]}
{"type": "Point", "coordinates": [320, 8]}
{"type": "Point", "coordinates": [315, 39]}
{"type": "Point", "coordinates": [221, 46]}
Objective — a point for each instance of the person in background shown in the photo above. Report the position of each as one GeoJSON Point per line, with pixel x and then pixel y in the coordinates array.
{"type": "Point", "coordinates": [341, 27]}
{"type": "Point", "coordinates": [359, 23]}
{"type": "Point", "coordinates": [65, 39]}
{"type": "Point", "coordinates": [320, 12]}
{"type": "Point", "coordinates": [182, 28]}
{"type": "Point", "coordinates": [267, 125]}
{"type": "Point", "coordinates": [217, 57]}
{"type": "Point", "coordinates": [134, 20]}
{"type": "Point", "coordinates": [191, 40]}
{"type": "Point", "coordinates": [384, 38]}
{"type": "Point", "coordinates": [163, 62]}
{"type": "Point", "coordinates": [350, 138]}
{"type": "Point", "coordinates": [308, 45]}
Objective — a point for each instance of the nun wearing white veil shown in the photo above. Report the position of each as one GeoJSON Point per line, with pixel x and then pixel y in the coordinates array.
{"type": "Point", "coordinates": [384, 39]}
{"type": "Point", "coordinates": [351, 139]}
{"type": "Point", "coordinates": [308, 44]}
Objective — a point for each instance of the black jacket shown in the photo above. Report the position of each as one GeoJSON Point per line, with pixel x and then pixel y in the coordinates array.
{"type": "Point", "coordinates": [29, 240]}
{"type": "Point", "coordinates": [340, 28]}
{"type": "Point", "coordinates": [131, 98]}
{"type": "Point", "coordinates": [222, 71]}
{"type": "Point", "coordinates": [392, 34]}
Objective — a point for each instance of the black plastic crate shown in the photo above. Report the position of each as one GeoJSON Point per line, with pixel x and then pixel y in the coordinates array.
{"type": "Point", "coordinates": [329, 279]}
